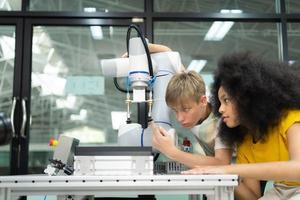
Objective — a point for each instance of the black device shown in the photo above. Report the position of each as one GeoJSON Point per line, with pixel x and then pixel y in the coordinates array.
{"type": "Point", "coordinates": [5, 129]}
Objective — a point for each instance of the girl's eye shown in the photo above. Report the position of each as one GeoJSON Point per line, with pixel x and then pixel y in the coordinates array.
{"type": "Point", "coordinates": [226, 100]}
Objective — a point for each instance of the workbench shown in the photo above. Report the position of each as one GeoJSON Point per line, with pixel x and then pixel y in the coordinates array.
{"type": "Point", "coordinates": [221, 186]}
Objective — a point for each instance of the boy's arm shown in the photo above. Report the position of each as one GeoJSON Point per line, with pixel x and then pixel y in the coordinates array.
{"type": "Point", "coordinates": [163, 142]}
{"type": "Point", "coordinates": [222, 157]}
{"type": "Point", "coordinates": [153, 48]}
{"type": "Point", "coordinates": [156, 48]}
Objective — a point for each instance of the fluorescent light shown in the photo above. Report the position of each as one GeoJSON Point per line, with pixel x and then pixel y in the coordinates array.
{"type": "Point", "coordinates": [291, 62]}
{"type": "Point", "coordinates": [219, 29]}
{"type": "Point", "coordinates": [97, 33]}
{"type": "Point", "coordinates": [81, 117]}
{"type": "Point", "coordinates": [137, 20]}
{"type": "Point", "coordinates": [89, 9]}
{"type": "Point", "coordinates": [69, 102]}
{"type": "Point", "coordinates": [117, 119]}
{"type": "Point", "coordinates": [2, 3]}
{"type": "Point", "coordinates": [7, 45]}
{"type": "Point", "coordinates": [213, 30]}
{"type": "Point", "coordinates": [226, 26]}
{"type": "Point", "coordinates": [51, 70]}
{"type": "Point", "coordinates": [111, 30]}
{"type": "Point", "coordinates": [197, 65]}
{"type": "Point", "coordinates": [234, 11]}
{"type": "Point", "coordinates": [50, 54]}
{"type": "Point", "coordinates": [86, 134]}
{"type": "Point", "coordinates": [50, 84]}
{"type": "Point", "coordinates": [5, 3]}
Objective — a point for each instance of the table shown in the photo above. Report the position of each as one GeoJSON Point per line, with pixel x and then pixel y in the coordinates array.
{"type": "Point", "coordinates": [221, 186]}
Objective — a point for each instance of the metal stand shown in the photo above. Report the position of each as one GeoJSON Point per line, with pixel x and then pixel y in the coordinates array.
{"type": "Point", "coordinates": [221, 186]}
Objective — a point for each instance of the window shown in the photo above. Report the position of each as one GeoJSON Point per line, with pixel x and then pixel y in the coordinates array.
{"type": "Point", "coordinates": [205, 6]}
{"type": "Point", "coordinates": [81, 5]}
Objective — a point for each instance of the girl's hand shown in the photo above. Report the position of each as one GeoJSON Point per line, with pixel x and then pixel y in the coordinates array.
{"type": "Point", "coordinates": [206, 170]}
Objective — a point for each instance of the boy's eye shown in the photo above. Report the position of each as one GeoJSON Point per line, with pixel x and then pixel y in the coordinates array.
{"type": "Point", "coordinates": [186, 109]}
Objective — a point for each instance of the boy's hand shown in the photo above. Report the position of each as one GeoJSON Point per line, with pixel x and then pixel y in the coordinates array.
{"type": "Point", "coordinates": [162, 140]}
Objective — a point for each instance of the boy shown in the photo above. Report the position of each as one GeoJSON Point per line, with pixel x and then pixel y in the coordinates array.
{"type": "Point", "coordinates": [185, 95]}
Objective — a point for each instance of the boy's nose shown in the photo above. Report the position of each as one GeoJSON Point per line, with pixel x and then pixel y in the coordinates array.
{"type": "Point", "coordinates": [179, 117]}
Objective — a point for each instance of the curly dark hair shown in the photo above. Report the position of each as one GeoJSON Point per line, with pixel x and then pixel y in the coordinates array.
{"type": "Point", "coordinates": [262, 90]}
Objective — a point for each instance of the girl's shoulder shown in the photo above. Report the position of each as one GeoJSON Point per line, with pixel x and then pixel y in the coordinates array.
{"type": "Point", "coordinates": [288, 119]}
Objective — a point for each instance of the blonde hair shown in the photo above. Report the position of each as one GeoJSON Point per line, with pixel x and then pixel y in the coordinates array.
{"type": "Point", "coordinates": [188, 85]}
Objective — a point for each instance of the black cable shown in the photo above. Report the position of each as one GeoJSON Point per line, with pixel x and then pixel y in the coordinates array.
{"type": "Point", "coordinates": [138, 30]}
{"type": "Point", "coordinates": [119, 87]}
{"type": "Point", "coordinates": [133, 26]}
{"type": "Point", "coordinates": [124, 90]}
{"type": "Point", "coordinates": [156, 156]}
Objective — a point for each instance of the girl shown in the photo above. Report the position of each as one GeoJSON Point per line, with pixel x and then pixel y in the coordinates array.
{"type": "Point", "coordinates": [259, 103]}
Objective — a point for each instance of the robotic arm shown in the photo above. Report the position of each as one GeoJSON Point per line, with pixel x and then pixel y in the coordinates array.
{"type": "Point", "coordinates": [144, 81]}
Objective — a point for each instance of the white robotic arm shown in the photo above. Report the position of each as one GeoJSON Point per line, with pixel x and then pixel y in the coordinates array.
{"type": "Point", "coordinates": [135, 67]}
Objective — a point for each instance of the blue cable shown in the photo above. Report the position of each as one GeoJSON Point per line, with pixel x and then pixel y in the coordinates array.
{"type": "Point", "coordinates": [138, 72]}
{"type": "Point", "coordinates": [162, 122]}
{"type": "Point", "coordinates": [152, 81]}
{"type": "Point", "coordinates": [127, 83]}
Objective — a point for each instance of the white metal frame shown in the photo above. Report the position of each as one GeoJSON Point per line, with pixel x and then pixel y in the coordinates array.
{"type": "Point", "coordinates": [220, 185]}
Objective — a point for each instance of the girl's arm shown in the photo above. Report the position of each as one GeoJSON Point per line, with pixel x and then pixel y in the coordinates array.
{"type": "Point", "coordinates": [282, 170]}
{"type": "Point", "coordinates": [289, 170]}
{"type": "Point", "coordinates": [248, 189]}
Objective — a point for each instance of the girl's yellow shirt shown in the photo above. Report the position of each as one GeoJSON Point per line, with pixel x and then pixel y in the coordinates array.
{"type": "Point", "coordinates": [273, 148]}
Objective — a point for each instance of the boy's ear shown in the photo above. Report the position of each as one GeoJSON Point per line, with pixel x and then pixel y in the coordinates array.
{"type": "Point", "coordinates": [203, 100]}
